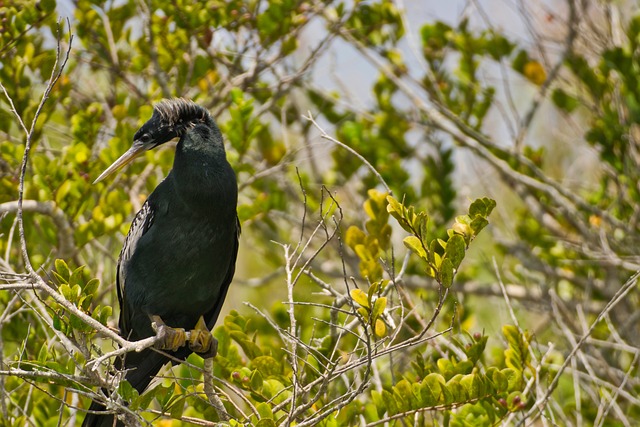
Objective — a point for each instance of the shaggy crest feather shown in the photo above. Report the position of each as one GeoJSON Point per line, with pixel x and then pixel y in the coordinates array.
{"type": "Point", "coordinates": [175, 110]}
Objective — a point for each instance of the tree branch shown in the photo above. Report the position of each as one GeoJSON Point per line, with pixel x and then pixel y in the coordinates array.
{"type": "Point", "coordinates": [66, 243]}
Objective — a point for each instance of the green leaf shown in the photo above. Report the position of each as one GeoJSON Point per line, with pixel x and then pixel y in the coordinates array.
{"type": "Point", "coordinates": [62, 269]}
{"type": "Point", "coordinates": [266, 422]}
{"type": "Point", "coordinates": [520, 61]}
{"type": "Point", "coordinates": [221, 333]}
{"type": "Point", "coordinates": [105, 313]}
{"type": "Point", "coordinates": [478, 224]}
{"type": "Point", "coordinates": [177, 407]}
{"type": "Point", "coordinates": [481, 207]}
{"type": "Point", "coordinates": [429, 394]}
{"type": "Point", "coordinates": [446, 397]}
{"type": "Point", "coordinates": [390, 401]}
{"type": "Point", "coordinates": [84, 302]}
{"type": "Point", "coordinates": [455, 250]}
{"type": "Point", "coordinates": [363, 252]}
{"type": "Point", "coordinates": [43, 354]}
{"type": "Point", "coordinates": [564, 101]}
{"type": "Point", "coordinates": [458, 392]}
{"type": "Point", "coordinates": [421, 224]}
{"type": "Point", "coordinates": [57, 323]}
{"type": "Point", "coordinates": [373, 289]}
{"type": "Point", "coordinates": [442, 243]}
{"type": "Point", "coordinates": [256, 381]}
{"type": "Point", "coordinates": [499, 379]}
{"type": "Point", "coordinates": [48, 5]}
{"type": "Point", "coordinates": [264, 410]}
{"type": "Point", "coordinates": [517, 355]}
{"type": "Point", "coordinates": [271, 388]}
{"type": "Point", "coordinates": [512, 334]}
{"type": "Point", "coordinates": [379, 402]}
{"type": "Point", "coordinates": [267, 365]}
{"type": "Point", "coordinates": [237, 96]}
{"type": "Point", "coordinates": [514, 379]}
{"type": "Point", "coordinates": [91, 286]}
{"type": "Point", "coordinates": [403, 394]}
{"type": "Point", "coordinates": [126, 391]}
{"type": "Point", "coordinates": [145, 400]}
{"type": "Point", "coordinates": [431, 389]}
{"type": "Point", "coordinates": [249, 347]}
{"type": "Point", "coordinates": [77, 323]}
{"type": "Point", "coordinates": [472, 385]}
{"type": "Point", "coordinates": [446, 273]}
{"type": "Point", "coordinates": [65, 290]}
{"type": "Point", "coordinates": [63, 191]}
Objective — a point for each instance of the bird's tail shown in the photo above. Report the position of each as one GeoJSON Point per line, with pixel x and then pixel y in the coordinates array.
{"type": "Point", "coordinates": [141, 368]}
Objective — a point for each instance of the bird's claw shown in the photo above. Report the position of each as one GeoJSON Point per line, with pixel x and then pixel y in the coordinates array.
{"type": "Point", "coordinates": [201, 341]}
{"type": "Point", "coordinates": [168, 338]}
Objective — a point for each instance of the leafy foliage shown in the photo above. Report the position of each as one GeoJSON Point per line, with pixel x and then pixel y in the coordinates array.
{"type": "Point", "coordinates": [380, 289]}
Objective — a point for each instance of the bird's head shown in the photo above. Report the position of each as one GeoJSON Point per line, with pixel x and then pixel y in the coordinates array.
{"type": "Point", "coordinates": [171, 118]}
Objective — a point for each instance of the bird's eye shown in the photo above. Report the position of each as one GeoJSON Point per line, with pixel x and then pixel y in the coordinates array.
{"type": "Point", "coordinates": [145, 138]}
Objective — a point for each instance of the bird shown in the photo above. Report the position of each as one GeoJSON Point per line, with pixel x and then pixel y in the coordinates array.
{"type": "Point", "coordinates": [179, 256]}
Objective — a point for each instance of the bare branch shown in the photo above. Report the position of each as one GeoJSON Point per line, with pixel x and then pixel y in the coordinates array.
{"type": "Point", "coordinates": [66, 243]}
{"type": "Point", "coordinates": [328, 137]}
{"type": "Point", "coordinates": [210, 392]}
{"type": "Point", "coordinates": [622, 292]}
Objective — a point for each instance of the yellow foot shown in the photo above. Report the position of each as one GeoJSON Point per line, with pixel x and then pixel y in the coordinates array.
{"type": "Point", "coordinates": [201, 341]}
{"type": "Point", "coordinates": [168, 338]}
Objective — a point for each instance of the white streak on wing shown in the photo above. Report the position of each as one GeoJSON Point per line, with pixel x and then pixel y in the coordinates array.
{"type": "Point", "coordinates": [140, 225]}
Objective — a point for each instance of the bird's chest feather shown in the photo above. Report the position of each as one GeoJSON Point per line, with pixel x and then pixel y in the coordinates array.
{"type": "Point", "coordinates": [179, 265]}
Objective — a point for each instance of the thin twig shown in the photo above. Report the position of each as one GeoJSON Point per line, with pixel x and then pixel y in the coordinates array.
{"type": "Point", "coordinates": [619, 296]}
{"type": "Point", "coordinates": [66, 244]}
{"type": "Point", "coordinates": [211, 394]}
{"type": "Point", "coordinates": [328, 137]}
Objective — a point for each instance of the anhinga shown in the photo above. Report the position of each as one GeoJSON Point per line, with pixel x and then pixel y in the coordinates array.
{"type": "Point", "coordinates": [179, 257]}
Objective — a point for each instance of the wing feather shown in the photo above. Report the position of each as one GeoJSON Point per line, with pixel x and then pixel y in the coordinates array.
{"type": "Point", "coordinates": [139, 226]}
{"type": "Point", "coordinates": [212, 316]}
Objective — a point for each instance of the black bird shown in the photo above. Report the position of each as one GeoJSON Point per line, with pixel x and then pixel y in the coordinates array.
{"type": "Point", "coordinates": [179, 257]}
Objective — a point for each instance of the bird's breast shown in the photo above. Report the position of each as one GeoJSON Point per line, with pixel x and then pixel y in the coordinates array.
{"type": "Point", "coordinates": [179, 266]}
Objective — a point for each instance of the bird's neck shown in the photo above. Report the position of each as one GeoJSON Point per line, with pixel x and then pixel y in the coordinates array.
{"type": "Point", "coordinates": [203, 177]}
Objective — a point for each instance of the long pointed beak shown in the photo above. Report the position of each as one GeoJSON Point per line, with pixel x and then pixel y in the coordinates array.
{"type": "Point", "coordinates": [136, 149]}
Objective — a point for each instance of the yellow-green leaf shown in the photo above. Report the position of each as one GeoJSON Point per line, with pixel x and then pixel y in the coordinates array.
{"type": "Point", "coordinates": [534, 71]}
{"type": "Point", "coordinates": [378, 307]}
{"type": "Point", "coordinates": [360, 297]}
{"type": "Point", "coordinates": [380, 328]}
{"type": "Point", "coordinates": [415, 244]}
{"type": "Point", "coordinates": [394, 205]}
{"type": "Point", "coordinates": [354, 236]}
{"type": "Point", "coordinates": [364, 313]}
{"type": "Point", "coordinates": [372, 290]}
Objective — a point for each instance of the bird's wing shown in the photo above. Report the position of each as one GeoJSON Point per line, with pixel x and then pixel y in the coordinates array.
{"type": "Point", "coordinates": [140, 225]}
{"type": "Point", "coordinates": [212, 315]}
